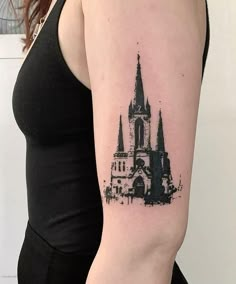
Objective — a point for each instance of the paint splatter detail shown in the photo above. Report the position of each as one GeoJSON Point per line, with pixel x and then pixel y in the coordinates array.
{"type": "Point", "coordinates": [142, 174]}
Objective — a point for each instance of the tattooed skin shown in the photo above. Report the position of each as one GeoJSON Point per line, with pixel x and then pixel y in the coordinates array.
{"type": "Point", "coordinates": [141, 174]}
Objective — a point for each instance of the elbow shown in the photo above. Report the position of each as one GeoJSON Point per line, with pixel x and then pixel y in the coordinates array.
{"type": "Point", "coordinates": [141, 261]}
{"type": "Point", "coordinates": [165, 244]}
{"type": "Point", "coordinates": [147, 242]}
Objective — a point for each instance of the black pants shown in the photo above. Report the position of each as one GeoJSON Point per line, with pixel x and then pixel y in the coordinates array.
{"type": "Point", "coordinates": [40, 263]}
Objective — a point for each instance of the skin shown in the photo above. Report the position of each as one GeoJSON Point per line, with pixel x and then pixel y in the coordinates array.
{"type": "Point", "coordinates": [71, 27]}
{"type": "Point", "coordinates": [138, 244]}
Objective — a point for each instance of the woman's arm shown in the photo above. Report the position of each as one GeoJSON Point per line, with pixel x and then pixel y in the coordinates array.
{"type": "Point", "coordinates": [145, 64]}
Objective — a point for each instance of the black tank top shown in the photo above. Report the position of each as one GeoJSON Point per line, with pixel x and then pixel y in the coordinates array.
{"type": "Point", "coordinates": [53, 109]}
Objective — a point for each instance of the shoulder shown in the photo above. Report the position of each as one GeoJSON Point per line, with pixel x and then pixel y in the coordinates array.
{"type": "Point", "coordinates": [189, 13]}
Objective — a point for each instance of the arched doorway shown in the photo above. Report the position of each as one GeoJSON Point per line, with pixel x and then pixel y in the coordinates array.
{"type": "Point", "coordinates": [138, 186]}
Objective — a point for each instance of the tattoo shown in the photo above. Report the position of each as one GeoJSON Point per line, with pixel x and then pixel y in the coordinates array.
{"type": "Point", "coordinates": [141, 175]}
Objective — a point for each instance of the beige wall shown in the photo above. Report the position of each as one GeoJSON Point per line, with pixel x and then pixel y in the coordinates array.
{"type": "Point", "coordinates": [208, 253]}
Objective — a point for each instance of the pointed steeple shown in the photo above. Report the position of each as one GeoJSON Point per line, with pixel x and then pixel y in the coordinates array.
{"type": "Point", "coordinates": [139, 94]}
{"type": "Point", "coordinates": [148, 108]}
{"type": "Point", "coordinates": [130, 109]}
{"type": "Point", "coordinates": [120, 146]}
{"type": "Point", "coordinates": [160, 135]}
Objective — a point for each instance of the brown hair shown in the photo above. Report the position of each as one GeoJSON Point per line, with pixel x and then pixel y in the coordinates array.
{"type": "Point", "coordinates": [33, 10]}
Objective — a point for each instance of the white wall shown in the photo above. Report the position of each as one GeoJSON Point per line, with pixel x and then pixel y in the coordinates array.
{"type": "Point", "coordinates": [209, 250]}
{"type": "Point", "coordinates": [13, 212]}
{"type": "Point", "coordinates": [208, 253]}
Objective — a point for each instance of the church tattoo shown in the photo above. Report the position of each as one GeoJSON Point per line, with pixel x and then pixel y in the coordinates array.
{"type": "Point", "coordinates": [141, 174]}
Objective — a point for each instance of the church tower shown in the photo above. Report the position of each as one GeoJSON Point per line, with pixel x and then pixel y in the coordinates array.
{"type": "Point", "coordinates": [119, 164]}
{"type": "Point", "coordinates": [139, 118]}
{"type": "Point", "coordinates": [162, 183]}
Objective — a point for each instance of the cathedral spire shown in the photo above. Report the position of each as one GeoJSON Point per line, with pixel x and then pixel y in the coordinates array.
{"type": "Point", "coordinates": [130, 109]}
{"type": "Point", "coordinates": [120, 146]}
{"type": "Point", "coordinates": [148, 108]}
{"type": "Point", "coordinates": [160, 135]}
{"type": "Point", "coordinates": [139, 94]}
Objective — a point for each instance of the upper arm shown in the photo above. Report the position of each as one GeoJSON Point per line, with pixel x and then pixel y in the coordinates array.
{"type": "Point", "coordinates": [143, 57]}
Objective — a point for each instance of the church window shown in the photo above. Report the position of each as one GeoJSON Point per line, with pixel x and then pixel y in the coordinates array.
{"type": "Point", "coordinates": [119, 166]}
{"type": "Point", "coordinates": [139, 133]}
{"type": "Point", "coordinates": [123, 166]}
{"type": "Point", "coordinates": [115, 166]}
{"type": "Point", "coordinates": [140, 162]}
